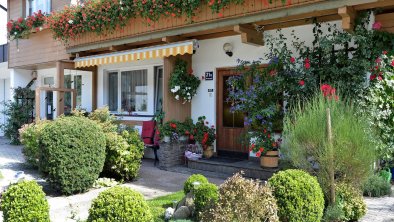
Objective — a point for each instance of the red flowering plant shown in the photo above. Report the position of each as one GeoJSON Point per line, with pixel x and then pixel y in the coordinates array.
{"type": "Point", "coordinates": [204, 133]}
{"type": "Point", "coordinates": [171, 129]}
{"type": "Point", "coordinates": [21, 28]}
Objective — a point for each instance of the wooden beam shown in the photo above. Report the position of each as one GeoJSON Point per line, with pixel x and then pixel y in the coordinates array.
{"type": "Point", "coordinates": [176, 38]}
{"type": "Point", "coordinates": [348, 15]}
{"type": "Point", "coordinates": [249, 35]}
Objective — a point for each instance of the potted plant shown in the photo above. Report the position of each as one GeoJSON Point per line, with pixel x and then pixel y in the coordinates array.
{"type": "Point", "coordinates": [170, 130]}
{"type": "Point", "coordinates": [205, 135]}
{"type": "Point", "coordinates": [265, 147]}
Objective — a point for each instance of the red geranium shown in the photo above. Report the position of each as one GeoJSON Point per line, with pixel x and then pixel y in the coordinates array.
{"type": "Point", "coordinates": [301, 82]}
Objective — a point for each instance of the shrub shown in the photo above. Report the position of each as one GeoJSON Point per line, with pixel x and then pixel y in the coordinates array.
{"type": "Point", "coordinates": [299, 196]}
{"type": "Point", "coordinates": [242, 199]}
{"type": "Point", "coordinates": [72, 153]}
{"type": "Point", "coordinates": [119, 204]}
{"type": "Point", "coordinates": [104, 117]}
{"type": "Point", "coordinates": [30, 138]}
{"type": "Point", "coordinates": [205, 196]}
{"type": "Point", "coordinates": [123, 154]}
{"type": "Point", "coordinates": [19, 112]}
{"type": "Point", "coordinates": [376, 186]}
{"type": "Point", "coordinates": [334, 213]}
{"type": "Point", "coordinates": [306, 144]}
{"type": "Point", "coordinates": [351, 201]}
{"type": "Point", "coordinates": [188, 186]}
{"type": "Point", "coordinates": [24, 202]}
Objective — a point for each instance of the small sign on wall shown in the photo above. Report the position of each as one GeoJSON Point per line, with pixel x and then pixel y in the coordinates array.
{"type": "Point", "coordinates": [208, 75]}
{"type": "Point", "coordinates": [210, 90]}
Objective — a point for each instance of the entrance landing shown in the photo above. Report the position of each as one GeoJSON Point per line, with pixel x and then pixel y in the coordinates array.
{"type": "Point", "coordinates": [251, 167]}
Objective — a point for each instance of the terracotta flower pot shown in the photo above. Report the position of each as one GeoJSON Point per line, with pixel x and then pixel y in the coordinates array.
{"type": "Point", "coordinates": [270, 159]}
{"type": "Point", "coordinates": [208, 152]}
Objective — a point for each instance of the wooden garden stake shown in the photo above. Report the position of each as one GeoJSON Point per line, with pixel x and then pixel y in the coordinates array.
{"type": "Point", "coordinates": [331, 158]}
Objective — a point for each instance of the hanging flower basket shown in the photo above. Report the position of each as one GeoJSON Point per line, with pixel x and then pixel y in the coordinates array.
{"type": "Point", "coordinates": [183, 84]}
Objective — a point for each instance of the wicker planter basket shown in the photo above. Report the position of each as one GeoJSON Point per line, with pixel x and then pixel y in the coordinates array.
{"type": "Point", "coordinates": [270, 159]}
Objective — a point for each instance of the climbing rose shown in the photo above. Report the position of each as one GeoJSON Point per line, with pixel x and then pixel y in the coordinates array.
{"type": "Point", "coordinates": [292, 60]}
{"type": "Point", "coordinates": [301, 82]}
{"type": "Point", "coordinates": [377, 26]}
{"type": "Point", "coordinates": [307, 64]}
{"type": "Point", "coordinates": [372, 77]}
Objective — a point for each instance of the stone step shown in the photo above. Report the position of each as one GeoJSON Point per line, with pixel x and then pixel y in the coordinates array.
{"type": "Point", "coordinates": [251, 168]}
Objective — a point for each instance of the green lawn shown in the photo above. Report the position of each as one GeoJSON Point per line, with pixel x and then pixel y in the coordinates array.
{"type": "Point", "coordinates": [159, 205]}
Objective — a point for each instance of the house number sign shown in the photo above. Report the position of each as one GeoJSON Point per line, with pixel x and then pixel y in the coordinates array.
{"type": "Point", "coordinates": [208, 75]}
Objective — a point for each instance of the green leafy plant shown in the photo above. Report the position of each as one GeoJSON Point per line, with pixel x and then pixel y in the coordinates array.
{"type": "Point", "coordinates": [30, 138]}
{"type": "Point", "coordinates": [119, 204]}
{"type": "Point", "coordinates": [205, 196]}
{"type": "Point", "coordinates": [307, 146]}
{"type": "Point", "coordinates": [376, 186]}
{"type": "Point", "coordinates": [19, 112]}
{"type": "Point", "coordinates": [123, 154]}
{"type": "Point", "coordinates": [170, 128]}
{"type": "Point", "coordinates": [182, 83]}
{"type": "Point", "coordinates": [72, 153]}
{"type": "Point", "coordinates": [242, 199]}
{"type": "Point", "coordinates": [351, 201]}
{"type": "Point", "coordinates": [189, 186]}
{"type": "Point", "coordinates": [334, 213]}
{"type": "Point", "coordinates": [299, 196]}
{"type": "Point", "coordinates": [159, 205]}
{"type": "Point", "coordinates": [25, 201]}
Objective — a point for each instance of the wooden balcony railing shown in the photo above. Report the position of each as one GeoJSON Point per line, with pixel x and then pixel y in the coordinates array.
{"type": "Point", "coordinates": [139, 26]}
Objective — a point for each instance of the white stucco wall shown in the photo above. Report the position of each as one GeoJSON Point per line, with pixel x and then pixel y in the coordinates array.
{"type": "Point", "coordinates": [5, 91]}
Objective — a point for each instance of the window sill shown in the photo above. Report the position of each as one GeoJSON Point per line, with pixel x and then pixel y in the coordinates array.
{"type": "Point", "coordinates": [132, 115]}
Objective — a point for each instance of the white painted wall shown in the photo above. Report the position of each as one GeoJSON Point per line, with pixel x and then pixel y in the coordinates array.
{"type": "Point", "coordinates": [5, 91]}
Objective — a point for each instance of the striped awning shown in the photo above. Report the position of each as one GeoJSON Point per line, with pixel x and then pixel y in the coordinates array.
{"type": "Point", "coordinates": [171, 49]}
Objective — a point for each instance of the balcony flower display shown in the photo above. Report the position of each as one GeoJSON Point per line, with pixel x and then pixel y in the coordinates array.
{"type": "Point", "coordinates": [183, 84]}
{"type": "Point", "coordinates": [21, 28]}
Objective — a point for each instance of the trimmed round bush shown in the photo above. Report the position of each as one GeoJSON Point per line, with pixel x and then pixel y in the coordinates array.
{"type": "Point", "coordinates": [119, 204]}
{"type": "Point", "coordinates": [205, 196]}
{"type": "Point", "coordinates": [299, 196]}
{"type": "Point", "coordinates": [24, 202]}
{"type": "Point", "coordinates": [123, 154]}
{"type": "Point", "coordinates": [242, 199]}
{"type": "Point", "coordinates": [72, 153]}
{"type": "Point", "coordinates": [352, 202]}
{"type": "Point", "coordinates": [188, 186]}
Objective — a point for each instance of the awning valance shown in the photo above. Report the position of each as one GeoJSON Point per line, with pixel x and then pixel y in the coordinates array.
{"type": "Point", "coordinates": [171, 49]}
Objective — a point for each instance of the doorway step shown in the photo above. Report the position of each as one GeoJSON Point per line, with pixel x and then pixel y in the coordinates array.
{"type": "Point", "coordinates": [251, 167]}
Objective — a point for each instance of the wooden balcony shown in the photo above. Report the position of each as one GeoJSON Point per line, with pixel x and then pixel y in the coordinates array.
{"type": "Point", "coordinates": [138, 26]}
{"type": "Point", "coordinates": [40, 50]}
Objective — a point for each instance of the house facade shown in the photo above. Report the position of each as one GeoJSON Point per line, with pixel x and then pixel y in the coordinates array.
{"type": "Point", "coordinates": [128, 71]}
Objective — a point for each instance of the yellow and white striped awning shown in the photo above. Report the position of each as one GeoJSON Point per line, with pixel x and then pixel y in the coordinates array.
{"type": "Point", "coordinates": [171, 49]}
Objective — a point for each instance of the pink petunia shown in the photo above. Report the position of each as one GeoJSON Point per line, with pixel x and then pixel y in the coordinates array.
{"type": "Point", "coordinates": [377, 26]}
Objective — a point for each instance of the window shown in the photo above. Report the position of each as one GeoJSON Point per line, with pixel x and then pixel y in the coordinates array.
{"type": "Point", "coordinates": [134, 94]}
{"type": "Point", "coordinates": [113, 91]}
{"type": "Point", "coordinates": [131, 91]}
{"type": "Point", "coordinates": [36, 5]}
{"type": "Point", "coordinates": [72, 82]}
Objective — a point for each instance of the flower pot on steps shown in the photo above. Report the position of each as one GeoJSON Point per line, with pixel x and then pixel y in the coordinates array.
{"type": "Point", "coordinates": [270, 159]}
{"type": "Point", "coordinates": [208, 152]}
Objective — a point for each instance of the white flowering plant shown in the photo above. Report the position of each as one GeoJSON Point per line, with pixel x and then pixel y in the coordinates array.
{"type": "Point", "coordinates": [379, 104]}
{"type": "Point", "coordinates": [183, 84]}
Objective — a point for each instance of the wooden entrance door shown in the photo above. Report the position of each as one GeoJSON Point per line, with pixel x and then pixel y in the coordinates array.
{"type": "Point", "coordinates": [230, 125]}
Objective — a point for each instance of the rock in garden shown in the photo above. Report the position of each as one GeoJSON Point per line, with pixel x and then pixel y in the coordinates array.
{"type": "Point", "coordinates": [182, 213]}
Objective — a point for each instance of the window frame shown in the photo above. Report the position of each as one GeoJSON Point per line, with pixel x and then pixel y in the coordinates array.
{"type": "Point", "coordinates": [29, 12]}
{"type": "Point", "coordinates": [150, 90]}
